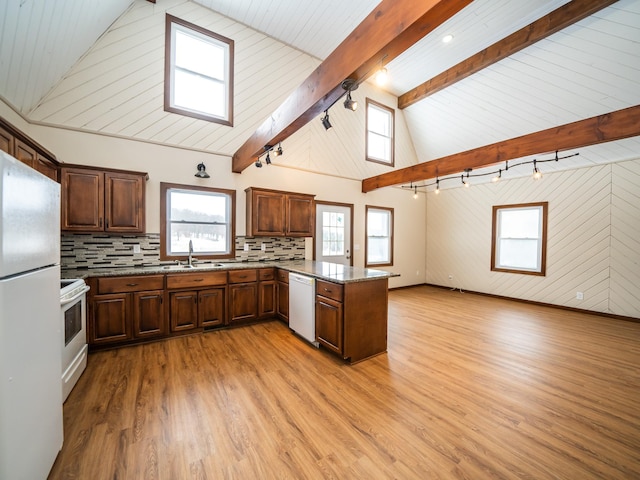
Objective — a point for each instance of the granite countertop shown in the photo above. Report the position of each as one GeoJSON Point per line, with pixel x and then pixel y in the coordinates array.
{"type": "Point", "coordinates": [332, 272]}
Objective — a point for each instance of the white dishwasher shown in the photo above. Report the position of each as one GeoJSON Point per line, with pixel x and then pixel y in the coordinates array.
{"type": "Point", "coordinates": [302, 306]}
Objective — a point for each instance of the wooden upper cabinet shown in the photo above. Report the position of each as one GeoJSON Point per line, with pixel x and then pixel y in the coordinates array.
{"type": "Point", "coordinates": [273, 212]}
{"type": "Point", "coordinates": [6, 141]}
{"type": "Point", "coordinates": [265, 213]}
{"type": "Point", "coordinates": [102, 201]}
{"type": "Point", "coordinates": [25, 149]}
{"type": "Point", "coordinates": [25, 153]}
{"type": "Point", "coordinates": [300, 215]}
{"type": "Point", "coordinates": [124, 202]}
{"type": "Point", "coordinates": [45, 167]}
{"type": "Point", "coordinates": [82, 200]}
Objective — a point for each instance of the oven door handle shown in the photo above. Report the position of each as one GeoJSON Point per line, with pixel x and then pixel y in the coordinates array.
{"type": "Point", "coordinates": [75, 297]}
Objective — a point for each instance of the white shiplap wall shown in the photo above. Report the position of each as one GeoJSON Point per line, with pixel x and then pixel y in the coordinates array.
{"type": "Point", "coordinates": [593, 238]}
{"type": "Point", "coordinates": [117, 90]}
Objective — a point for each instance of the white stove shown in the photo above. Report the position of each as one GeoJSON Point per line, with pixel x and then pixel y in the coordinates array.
{"type": "Point", "coordinates": [73, 301]}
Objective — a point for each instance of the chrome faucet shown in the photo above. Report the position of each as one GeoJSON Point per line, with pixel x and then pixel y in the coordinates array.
{"type": "Point", "coordinates": [190, 254]}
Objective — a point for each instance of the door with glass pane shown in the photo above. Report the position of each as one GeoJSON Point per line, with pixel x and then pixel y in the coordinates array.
{"type": "Point", "coordinates": [333, 233]}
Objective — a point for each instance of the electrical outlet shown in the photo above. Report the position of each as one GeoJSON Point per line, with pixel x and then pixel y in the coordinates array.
{"type": "Point", "coordinates": [136, 248]}
{"type": "Point", "coordinates": [579, 296]}
{"type": "Point", "coordinates": [263, 247]}
{"type": "Point", "coordinates": [450, 277]}
{"type": "Point", "coordinates": [246, 247]}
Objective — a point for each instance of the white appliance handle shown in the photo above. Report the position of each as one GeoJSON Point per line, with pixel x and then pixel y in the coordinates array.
{"type": "Point", "coordinates": [75, 297]}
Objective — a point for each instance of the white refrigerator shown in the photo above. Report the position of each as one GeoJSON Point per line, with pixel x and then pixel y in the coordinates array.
{"type": "Point", "coordinates": [30, 322]}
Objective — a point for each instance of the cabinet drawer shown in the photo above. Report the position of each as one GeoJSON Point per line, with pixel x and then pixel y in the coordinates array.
{"type": "Point", "coordinates": [282, 275]}
{"type": "Point", "coordinates": [130, 284]}
{"type": "Point", "coordinates": [266, 274]}
{"type": "Point", "coordinates": [330, 290]}
{"type": "Point", "coordinates": [196, 280]}
{"type": "Point", "coordinates": [243, 276]}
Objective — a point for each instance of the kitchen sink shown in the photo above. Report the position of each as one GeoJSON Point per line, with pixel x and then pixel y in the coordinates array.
{"type": "Point", "coordinates": [195, 266]}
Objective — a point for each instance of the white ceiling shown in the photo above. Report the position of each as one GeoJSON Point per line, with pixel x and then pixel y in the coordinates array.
{"type": "Point", "coordinates": [588, 69]}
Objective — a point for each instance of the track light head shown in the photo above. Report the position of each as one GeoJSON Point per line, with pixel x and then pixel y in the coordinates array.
{"type": "Point", "coordinates": [350, 104]}
{"type": "Point", "coordinates": [325, 120]}
{"type": "Point", "coordinates": [278, 151]}
{"type": "Point", "coordinates": [258, 163]}
{"type": "Point", "coordinates": [268, 159]}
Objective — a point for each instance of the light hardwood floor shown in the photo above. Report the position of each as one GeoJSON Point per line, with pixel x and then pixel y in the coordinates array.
{"type": "Point", "coordinates": [472, 387]}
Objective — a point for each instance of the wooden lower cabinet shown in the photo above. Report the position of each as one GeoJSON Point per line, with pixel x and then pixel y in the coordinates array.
{"type": "Point", "coordinates": [329, 331]}
{"type": "Point", "coordinates": [211, 307]}
{"type": "Point", "coordinates": [282, 293]}
{"type": "Point", "coordinates": [243, 302]}
{"type": "Point", "coordinates": [149, 314]}
{"type": "Point", "coordinates": [351, 318]}
{"type": "Point", "coordinates": [110, 319]}
{"type": "Point", "coordinates": [197, 308]}
{"type": "Point", "coordinates": [183, 310]}
{"type": "Point", "coordinates": [125, 309]}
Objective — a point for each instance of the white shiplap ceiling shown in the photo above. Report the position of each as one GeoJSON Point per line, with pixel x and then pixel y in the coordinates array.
{"type": "Point", "coordinates": [585, 70]}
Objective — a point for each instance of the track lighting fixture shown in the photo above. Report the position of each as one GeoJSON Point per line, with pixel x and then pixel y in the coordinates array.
{"type": "Point", "coordinates": [382, 76]}
{"type": "Point", "coordinates": [497, 175]}
{"type": "Point", "coordinates": [268, 149]}
{"type": "Point", "coordinates": [325, 120]}
{"type": "Point", "coordinates": [201, 173]}
{"type": "Point", "coordinates": [350, 104]}
{"type": "Point", "coordinates": [415, 192]}
{"type": "Point", "coordinates": [537, 175]}
{"type": "Point", "coordinates": [350, 85]}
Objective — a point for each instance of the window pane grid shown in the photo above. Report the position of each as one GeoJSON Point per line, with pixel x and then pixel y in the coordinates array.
{"type": "Point", "coordinates": [379, 245]}
{"type": "Point", "coordinates": [332, 234]}
{"type": "Point", "coordinates": [379, 135]}
{"type": "Point", "coordinates": [199, 74]}
{"type": "Point", "coordinates": [519, 238]}
{"type": "Point", "coordinates": [202, 218]}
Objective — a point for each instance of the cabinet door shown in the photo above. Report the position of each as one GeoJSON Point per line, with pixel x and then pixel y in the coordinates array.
{"type": "Point", "coordinates": [243, 302]}
{"type": "Point", "coordinates": [149, 318]}
{"type": "Point", "coordinates": [82, 192]}
{"type": "Point", "coordinates": [283, 302]}
{"type": "Point", "coordinates": [184, 310]}
{"type": "Point", "coordinates": [25, 153]}
{"type": "Point", "coordinates": [267, 213]}
{"type": "Point", "coordinates": [300, 216]}
{"type": "Point", "coordinates": [329, 331]}
{"type": "Point", "coordinates": [6, 141]}
{"type": "Point", "coordinates": [108, 322]}
{"type": "Point", "coordinates": [267, 298]}
{"type": "Point", "coordinates": [211, 303]}
{"type": "Point", "coordinates": [124, 203]}
{"type": "Point", "coordinates": [45, 167]}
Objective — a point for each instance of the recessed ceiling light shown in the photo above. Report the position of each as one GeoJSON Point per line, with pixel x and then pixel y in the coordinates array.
{"type": "Point", "coordinates": [447, 38]}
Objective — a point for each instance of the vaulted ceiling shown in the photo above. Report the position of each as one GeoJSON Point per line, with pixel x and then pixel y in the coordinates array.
{"type": "Point", "coordinates": [48, 51]}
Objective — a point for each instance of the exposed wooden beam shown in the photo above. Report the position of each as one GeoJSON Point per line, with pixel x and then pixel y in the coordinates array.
{"type": "Point", "coordinates": [555, 21]}
{"type": "Point", "coordinates": [603, 128]}
{"type": "Point", "coordinates": [390, 29]}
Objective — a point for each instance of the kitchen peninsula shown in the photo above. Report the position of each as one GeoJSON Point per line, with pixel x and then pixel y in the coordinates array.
{"type": "Point", "coordinates": [128, 305]}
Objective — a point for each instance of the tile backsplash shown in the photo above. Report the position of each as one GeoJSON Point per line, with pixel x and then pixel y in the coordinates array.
{"type": "Point", "coordinates": [102, 250]}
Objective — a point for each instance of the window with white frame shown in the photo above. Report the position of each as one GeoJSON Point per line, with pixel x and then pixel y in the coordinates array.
{"type": "Point", "coordinates": [519, 240]}
{"type": "Point", "coordinates": [380, 127]}
{"type": "Point", "coordinates": [333, 225]}
{"type": "Point", "coordinates": [200, 215]}
{"type": "Point", "coordinates": [198, 72]}
{"type": "Point", "coordinates": [379, 236]}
